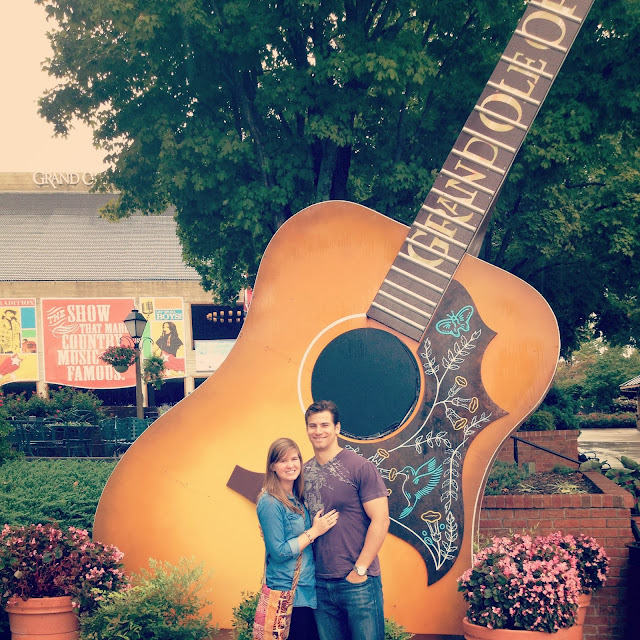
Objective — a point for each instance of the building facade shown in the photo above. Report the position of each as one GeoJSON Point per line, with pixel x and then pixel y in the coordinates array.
{"type": "Point", "coordinates": [69, 277]}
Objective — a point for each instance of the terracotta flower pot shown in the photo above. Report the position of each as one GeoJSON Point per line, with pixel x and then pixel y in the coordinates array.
{"type": "Point", "coordinates": [584, 600]}
{"type": "Point", "coordinates": [476, 632]}
{"type": "Point", "coordinates": [43, 619]}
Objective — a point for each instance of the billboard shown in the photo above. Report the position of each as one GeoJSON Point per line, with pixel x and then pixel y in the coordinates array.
{"type": "Point", "coordinates": [164, 333]}
{"type": "Point", "coordinates": [76, 332]}
{"type": "Point", "coordinates": [18, 340]}
{"type": "Point", "coordinates": [210, 354]}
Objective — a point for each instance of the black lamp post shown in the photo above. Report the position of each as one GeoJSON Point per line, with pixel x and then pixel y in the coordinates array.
{"type": "Point", "coordinates": [135, 323]}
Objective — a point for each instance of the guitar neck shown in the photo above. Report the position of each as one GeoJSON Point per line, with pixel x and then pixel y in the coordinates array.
{"type": "Point", "coordinates": [457, 209]}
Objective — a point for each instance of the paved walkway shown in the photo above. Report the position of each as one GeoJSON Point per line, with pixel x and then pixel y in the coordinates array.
{"type": "Point", "coordinates": [610, 444]}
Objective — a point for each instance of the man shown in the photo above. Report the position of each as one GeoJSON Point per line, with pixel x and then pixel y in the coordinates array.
{"type": "Point", "coordinates": [348, 584]}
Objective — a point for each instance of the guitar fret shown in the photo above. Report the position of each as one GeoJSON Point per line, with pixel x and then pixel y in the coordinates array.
{"type": "Point", "coordinates": [404, 304]}
{"type": "Point", "coordinates": [524, 67]}
{"type": "Point", "coordinates": [471, 183]}
{"type": "Point", "coordinates": [415, 243]}
{"type": "Point", "coordinates": [395, 285]}
{"type": "Point", "coordinates": [481, 136]}
{"type": "Point", "coordinates": [408, 258]}
{"type": "Point", "coordinates": [497, 116]}
{"type": "Point", "coordinates": [443, 215]}
{"type": "Point", "coordinates": [426, 283]}
{"type": "Point", "coordinates": [513, 92]}
{"type": "Point", "coordinates": [483, 153]}
{"type": "Point", "coordinates": [544, 43]}
{"type": "Point", "coordinates": [474, 158]}
{"type": "Point", "coordinates": [398, 316]}
{"type": "Point", "coordinates": [479, 210]}
{"type": "Point", "coordinates": [550, 8]}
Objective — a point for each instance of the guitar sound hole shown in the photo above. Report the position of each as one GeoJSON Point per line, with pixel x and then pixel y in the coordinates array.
{"type": "Point", "coordinates": [372, 377]}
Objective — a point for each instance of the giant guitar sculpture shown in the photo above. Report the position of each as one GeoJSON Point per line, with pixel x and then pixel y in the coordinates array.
{"type": "Point", "coordinates": [433, 356]}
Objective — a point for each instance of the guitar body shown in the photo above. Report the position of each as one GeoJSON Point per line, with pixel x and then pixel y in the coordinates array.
{"type": "Point", "coordinates": [168, 497]}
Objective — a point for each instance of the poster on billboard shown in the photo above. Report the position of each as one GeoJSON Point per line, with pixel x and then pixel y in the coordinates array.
{"type": "Point", "coordinates": [165, 328]}
{"type": "Point", "coordinates": [76, 332]}
{"type": "Point", "coordinates": [18, 340]}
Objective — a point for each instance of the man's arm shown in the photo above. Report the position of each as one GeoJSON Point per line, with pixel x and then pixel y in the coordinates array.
{"type": "Point", "coordinates": [378, 512]}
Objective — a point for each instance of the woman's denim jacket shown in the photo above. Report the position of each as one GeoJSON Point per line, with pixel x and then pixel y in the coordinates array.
{"type": "Point", "coordinates": [281, 528]}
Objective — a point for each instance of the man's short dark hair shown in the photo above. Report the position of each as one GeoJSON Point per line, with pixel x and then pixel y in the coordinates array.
{"type": "Point", "coordinates": [322, 405]}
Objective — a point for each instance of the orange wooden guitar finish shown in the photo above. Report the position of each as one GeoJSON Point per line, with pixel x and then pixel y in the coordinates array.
{"type": "Point", "coordinates": [456, 322]}
{"type": "Point", "coordinates": [168, 498]}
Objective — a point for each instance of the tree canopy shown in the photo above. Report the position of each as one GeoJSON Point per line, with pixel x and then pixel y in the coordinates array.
{"type": "Point", "coordinates": [594, 373]}
{"type": "Point", "coordinates": [239, 113]}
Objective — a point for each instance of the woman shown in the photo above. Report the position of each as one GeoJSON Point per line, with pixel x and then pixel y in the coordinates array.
{"type": "Point", "coordinates": [287, 531]}
{"type": "Point", "coordinates": [169, 341]}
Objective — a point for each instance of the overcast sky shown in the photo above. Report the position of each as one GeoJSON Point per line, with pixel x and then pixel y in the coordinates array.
{"type": "Point", "coordinates": [26, 140]}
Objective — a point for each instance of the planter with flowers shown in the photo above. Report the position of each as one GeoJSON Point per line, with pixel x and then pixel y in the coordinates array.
{"type": "Point", "coordinates": [48, 577]}
{"type": "Point", "coordinates": [120, 358]}
{"type": "Point", "coordinates": [526, 588]}
{"type": "Point", "coordinates": [592, 566]}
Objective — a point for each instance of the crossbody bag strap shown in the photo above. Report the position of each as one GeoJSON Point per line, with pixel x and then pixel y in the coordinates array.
{"type": "Point", "coordinates": [296, 573]}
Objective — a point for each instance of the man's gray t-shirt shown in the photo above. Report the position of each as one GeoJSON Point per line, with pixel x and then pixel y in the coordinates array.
{"type": "Point", "coordinates": [344, 484]}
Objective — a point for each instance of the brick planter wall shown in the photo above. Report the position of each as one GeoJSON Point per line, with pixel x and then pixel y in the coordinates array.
{"type": "Point", "coordinates": [564, 442]}
{"type": "Point", "coordinates": [605, 516]}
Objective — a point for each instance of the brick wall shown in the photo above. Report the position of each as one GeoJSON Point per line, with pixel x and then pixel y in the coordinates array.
{"type": "Point", "coordinates": [564, 442]}
{"type": "Point", "coordinates": [605, 516]}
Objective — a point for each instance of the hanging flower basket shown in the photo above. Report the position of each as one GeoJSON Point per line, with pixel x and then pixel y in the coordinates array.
{"type": "Point", "coordinates": [119, 357]}
{"type": "Point", "coordinates": [154, 370]}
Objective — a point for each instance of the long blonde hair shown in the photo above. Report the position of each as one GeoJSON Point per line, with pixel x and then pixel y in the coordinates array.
{"type": "Point", "coordinates": [272, 485]}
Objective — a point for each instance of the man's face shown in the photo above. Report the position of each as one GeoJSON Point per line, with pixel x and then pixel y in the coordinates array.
{"type": "Point", "coordinates": [322, 431]}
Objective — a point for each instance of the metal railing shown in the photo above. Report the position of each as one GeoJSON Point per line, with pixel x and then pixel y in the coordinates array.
{"type": "Point", "coordinates": [537, 446]}
{"type": "Point", "coordinates": [52, 438]}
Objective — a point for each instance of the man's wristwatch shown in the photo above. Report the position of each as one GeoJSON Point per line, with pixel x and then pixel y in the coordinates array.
{"type": "Point", "coordinates": [361, 571]}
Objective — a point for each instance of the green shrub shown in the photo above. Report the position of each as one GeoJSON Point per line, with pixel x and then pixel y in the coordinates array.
{"type": "Point", "coordinates": [395, 631]}
{"type": "Point", "coordinates": [541, 420]}
{"type": "Point", "coordinates": [5, 430]}
{"type": "Point", "coordinates": [165, 602]}
{"type": "Point", "coordinates": [64, 491]}
{"type": "Point", "coordinates": [562, 406]}
{"type": "Point", "coordinates": [504, 475]}
{"type": "Point", "coordinates": [245, 612]}
{"type": "Point", "coordinates": [606, 420]}
{"type": "Point", "coordinates": [562, 469]}
{"type": "Point", "coordinates": [628, 478]}
{"type": "Point", "coordinates": [65, 404]}
{"type": "Point", "coordinates": [69, 403]}
{"type": "Point", "coordinates": [557, 411]}
{"type": "Point", "coordinates": [624, 405]}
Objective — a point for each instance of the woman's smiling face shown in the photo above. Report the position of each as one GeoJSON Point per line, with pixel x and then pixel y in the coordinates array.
{"type": "Point", "coordinates": [287, 468]}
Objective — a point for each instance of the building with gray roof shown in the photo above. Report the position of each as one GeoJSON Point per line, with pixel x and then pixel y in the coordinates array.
{"type": "Point", "coordinates": [54, 245]}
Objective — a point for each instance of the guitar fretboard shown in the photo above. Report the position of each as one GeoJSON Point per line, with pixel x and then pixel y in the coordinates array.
{"type": "Point", "coordinates": [455, 214]}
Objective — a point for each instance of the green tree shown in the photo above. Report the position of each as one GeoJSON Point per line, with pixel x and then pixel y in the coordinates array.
{"type": "Point", "coordinates": [567, 221]}
{"type": "Point", "coordinates": [594, 373]}
{"type": "Point", "coordinates": [241, 112]}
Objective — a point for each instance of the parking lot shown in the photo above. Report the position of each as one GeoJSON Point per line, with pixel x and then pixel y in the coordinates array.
{"type": "Point", "coordinates": [610, 444]}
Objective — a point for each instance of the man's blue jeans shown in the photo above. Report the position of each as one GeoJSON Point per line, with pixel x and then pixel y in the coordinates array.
{"type": "Point", "coordinates": [349, 611]}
